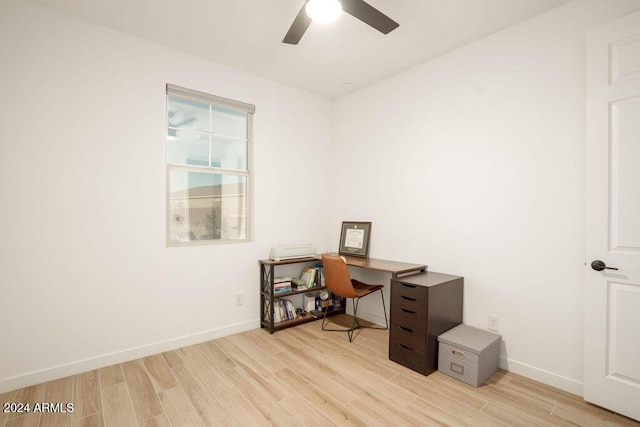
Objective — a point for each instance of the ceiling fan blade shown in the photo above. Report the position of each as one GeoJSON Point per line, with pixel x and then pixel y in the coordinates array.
{"type": "Point", "coordinates": [369, 15]}
{"type": "Point", "coordinates": [299, 26]}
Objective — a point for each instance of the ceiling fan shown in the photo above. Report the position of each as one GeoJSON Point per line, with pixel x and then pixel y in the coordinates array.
{"type": "Point", "coordinates": [356, 8]}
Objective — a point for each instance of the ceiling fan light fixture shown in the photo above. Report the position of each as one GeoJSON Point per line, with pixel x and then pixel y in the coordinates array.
{"type": "Point", "coordinates": [323, 10]}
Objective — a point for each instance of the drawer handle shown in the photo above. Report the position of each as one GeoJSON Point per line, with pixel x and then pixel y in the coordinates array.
{"type": "Point", "coordinates": [409, 286]}
{"type": "Point", "coordinates": [405, 347]}
{"type": "Point", "coordinates": [408, 311]}
{"type": "Point", "coordinates": [406, 329]}
{"type": "Point", "coordinates": [407, 298]}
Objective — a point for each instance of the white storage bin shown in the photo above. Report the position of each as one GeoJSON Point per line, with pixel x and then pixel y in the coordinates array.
{"type": "Point", "coordinates": [468, 354]}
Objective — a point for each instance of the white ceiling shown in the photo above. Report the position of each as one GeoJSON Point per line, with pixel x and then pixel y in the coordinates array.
{"type": "Point", "coordinates": [247, 34]}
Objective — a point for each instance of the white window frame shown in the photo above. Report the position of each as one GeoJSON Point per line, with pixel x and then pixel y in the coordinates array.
{"type": "Point", "coordinates": [249, 109]}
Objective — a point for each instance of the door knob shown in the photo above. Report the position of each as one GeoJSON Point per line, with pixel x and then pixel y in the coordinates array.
{"type": "Point", "coordinates": [598, 265]}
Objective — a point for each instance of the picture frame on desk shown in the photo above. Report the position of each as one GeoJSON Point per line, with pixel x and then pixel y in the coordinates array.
{"type": "Point", "coordinates": [354, 238]}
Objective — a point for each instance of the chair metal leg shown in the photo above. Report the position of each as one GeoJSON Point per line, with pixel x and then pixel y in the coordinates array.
{"type": "Point", "coordinates": [355, 325]}
{"type": "Point", "coordinates": [384, 310]}
{"type": "Point", "coordinates": [349, 331]}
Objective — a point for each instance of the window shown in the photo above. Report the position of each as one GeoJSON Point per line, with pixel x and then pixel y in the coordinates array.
{"type": "Point", "coordinates": [208, 167]}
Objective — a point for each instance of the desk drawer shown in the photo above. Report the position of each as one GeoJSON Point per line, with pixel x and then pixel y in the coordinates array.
{"type": "Point", "coordinates": [409, 290]}
{"type": "Point", "coordinates": [416, 321]}
{"type": "Point", "coordinates": [407, 337]}
{"type": "Point", "coordinates": [400, 300]}
{"type": "Point", "coordinates": [408, 357]}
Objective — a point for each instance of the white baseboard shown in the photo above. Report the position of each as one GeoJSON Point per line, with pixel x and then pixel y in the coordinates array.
{"type": "Point", "coordinates": [549, 378]}
{"type": "Point", "coordinates": [38, 377]}
{"type": "Point", "coordinates": [369, 317]}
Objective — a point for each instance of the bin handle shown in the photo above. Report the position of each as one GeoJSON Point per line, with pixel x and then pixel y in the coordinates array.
{"type": "Point", "coordinates": [457, 353]}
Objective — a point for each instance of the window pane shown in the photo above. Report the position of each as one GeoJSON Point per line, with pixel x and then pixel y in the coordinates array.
{"type": "Point", "coordinates": [207, 206]}
{"type": "Point", "coordinates": [229, 122]}
{"type": "Point", "coordinates": [187, 148]}
{"type": "Point", "coordinates": [229, 153]}
{"type": "Point", "coordinates": [233, 207]}
{"type": "Point", "coordinates": [185, 114]}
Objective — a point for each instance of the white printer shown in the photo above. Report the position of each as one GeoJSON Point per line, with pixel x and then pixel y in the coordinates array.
{"type": "Point", "coordinates": [282, 252]}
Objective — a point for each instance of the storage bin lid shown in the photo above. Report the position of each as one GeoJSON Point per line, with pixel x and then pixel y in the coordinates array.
{"type": "Point", "coordinates": [469, 338]}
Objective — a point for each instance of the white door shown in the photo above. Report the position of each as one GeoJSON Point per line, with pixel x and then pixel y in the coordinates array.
{"type": "Point", "coordinates": [612, 317]}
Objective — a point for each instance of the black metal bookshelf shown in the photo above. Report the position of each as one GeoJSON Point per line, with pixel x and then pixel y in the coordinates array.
{"type": "Point", "coordinates": [268, 296]}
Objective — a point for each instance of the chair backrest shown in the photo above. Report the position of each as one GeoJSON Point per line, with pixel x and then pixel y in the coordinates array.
{"type": "Point", "coordinates": [336, 276]}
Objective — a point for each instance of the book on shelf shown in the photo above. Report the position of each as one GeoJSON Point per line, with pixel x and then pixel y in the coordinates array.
{"type": "Point", "coordinates": [281, 285]}
{"type": "Point", "coordinates": [298, 284]}
{"type": "Point", "coordinates": [309, 277]}
{"type": "Point", "coordinates": [320, 275]}
{"type": "Point", "coordinates": [283, 309]}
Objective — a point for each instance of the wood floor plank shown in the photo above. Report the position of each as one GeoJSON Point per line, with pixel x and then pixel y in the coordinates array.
{"type": "Point", "coordinates": [322, 400]}
{"type": "Point", "coordinates": [159, 373]}
{"type": "Point", "coordinates": [380, 414]}
{"type": "Point", "coordinates": [143, 395]}
{"type": "Point", "coordinates": [535, 401]}
{"type": "Point", "coordinates": [268, 408]}
{"type": "Point", "coordinates": [210, 375]}
{"type": "Point", "coordinates": [174, 358]}
{"type": "Point", "coordinates": [87, 399]}
{"type": "Point", "coordinates": [465, 397]}
{"type": "Point", "coordinates": [305, 337]}
{"type": "Point", "coordinates": [202, 399]}
{"type": "Point", "coordinates": [271, 363]}
{"type": "Point", "coordinates": [374, 406]}
{"type": "Point", "coordinates": [241, 357]}
{"type": "Point", "coordinates": [59, 392]}
{"type": "Point", "coordinates": [24, 420]}
{"type": "Point", "coordinates": [435, 416]}
{"type": "Point", "coordinates": [343, 347]}
{"type": "Point", "coordinates": [116, 406]}
{"type": "Point", "coordinates": [215, 380]}
{"type": "Point", "coordinates": [312, 374]}
{"type": "Point", "coordinates": [519, 403]}
{"type": "Point", "coordinates": [519, 414]}
{"type": "Point", "coordinates": [353, 363]}
{"type": "Point", "coordinates": [434, 378]}
{"type": "Point", "coordinates": [8, 397]}
{"type": "Point", "coordinates": [110, 375]}
{"type": "Point", "coordinates": [371, 378]}
{"type": "Point", "coordinates": [315, 357]}
{"type": "Point", "coordinates": [243, 413]}
{"type": "Point", "coordinates": [217, 357]}
{"type": "Point", "coordinates": [467, 413]}
{"type": "Point", "coordinates": [583, 420]}
{"type": "Point", "coordinates": [94, 420]}
{"type": "Point", "coordinates": [29, 395]}
{"type": "Point", "coordinates": [159, 421]}
{"type": "Point", "coordinates": [305, 413]}
{"type": "Point", "coordinates": [178, 409]}
{"type": "Point", "coordinates": [266, 345]}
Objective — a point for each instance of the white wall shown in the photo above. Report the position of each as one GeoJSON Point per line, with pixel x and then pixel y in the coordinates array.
{"type": "Point", "coordinates": [86, 278]}
{"type": "Point", "coordinates": [474, 163]}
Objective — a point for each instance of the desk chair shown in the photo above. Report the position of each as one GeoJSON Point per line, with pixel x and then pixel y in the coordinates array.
{"type": "Point", "coordinates": [341, 284]}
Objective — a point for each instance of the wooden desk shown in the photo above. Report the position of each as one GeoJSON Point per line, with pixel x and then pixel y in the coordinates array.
{"type": "Point", "coordinates": [394, 267]}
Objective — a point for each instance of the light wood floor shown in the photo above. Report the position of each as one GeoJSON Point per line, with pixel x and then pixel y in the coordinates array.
{"type": "Point", "coordinates": [298, 376]}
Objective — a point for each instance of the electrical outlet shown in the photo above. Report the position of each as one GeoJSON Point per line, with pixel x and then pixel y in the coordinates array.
{"type": "Point", "coordinates": [494, 323]}
{"type": "Point", "coordinates": [239, 299]}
